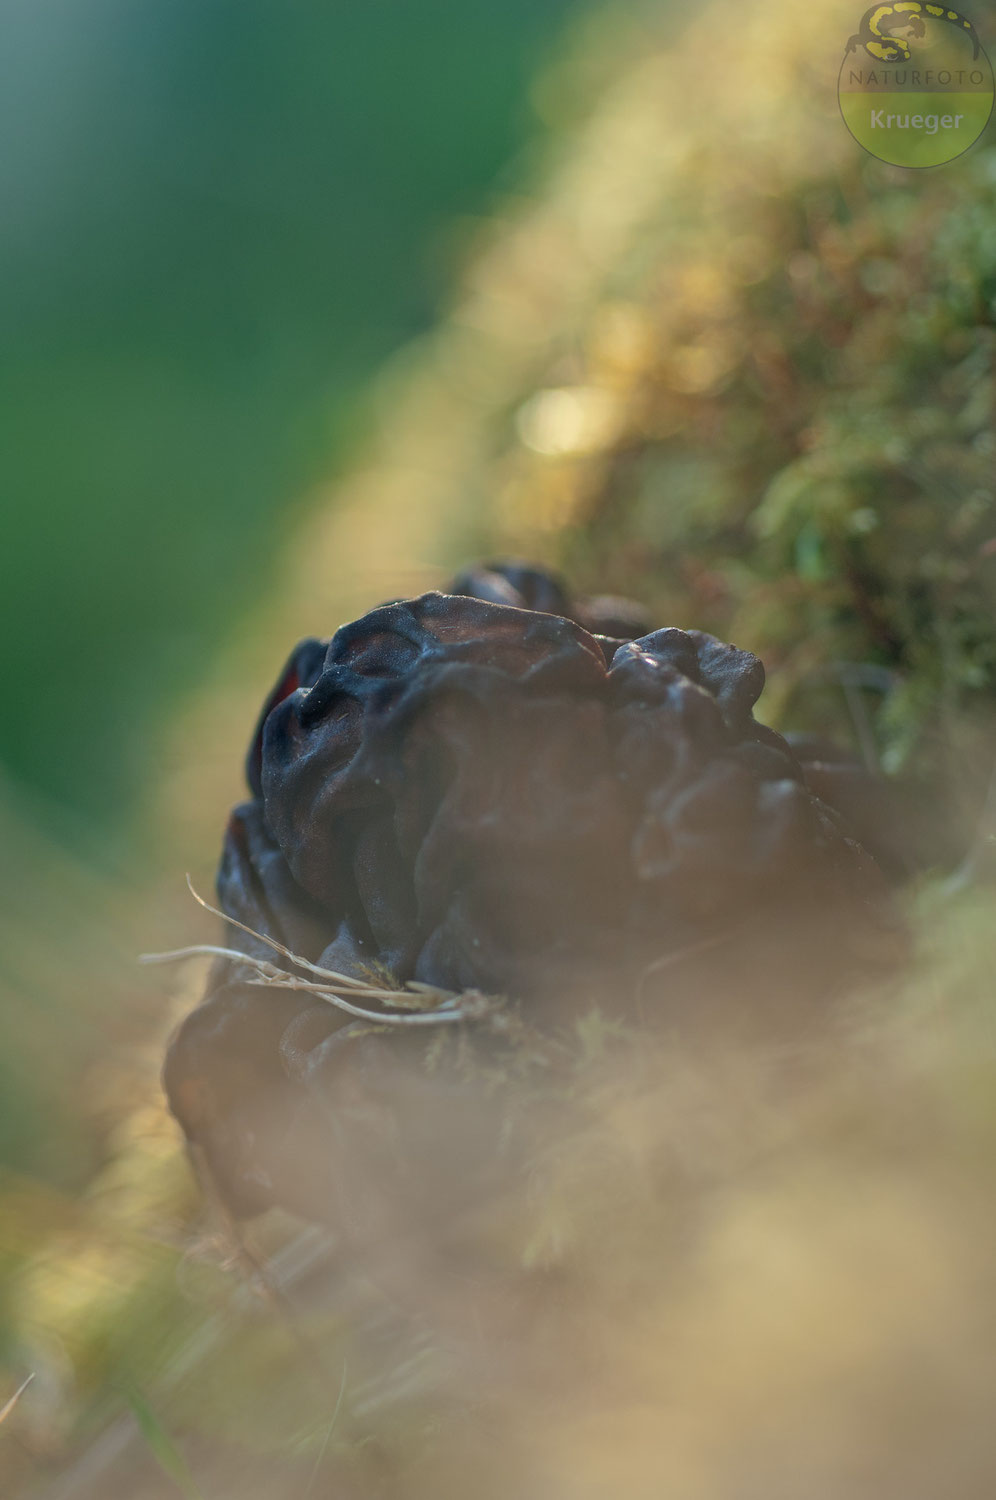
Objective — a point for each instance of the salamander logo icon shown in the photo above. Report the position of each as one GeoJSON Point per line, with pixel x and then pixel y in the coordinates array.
{"type": "Point", "coordinates": [878, 27]}
{"type": "Point", "coordinates": [915, 86]}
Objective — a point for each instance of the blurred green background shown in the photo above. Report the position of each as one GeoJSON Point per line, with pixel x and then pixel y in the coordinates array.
{"type": "Point", "coordinates": [218, 217]}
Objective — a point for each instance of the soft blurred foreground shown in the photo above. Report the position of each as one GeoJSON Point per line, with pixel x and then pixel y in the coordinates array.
{"type": "Point", "coordinates": [719, 359]}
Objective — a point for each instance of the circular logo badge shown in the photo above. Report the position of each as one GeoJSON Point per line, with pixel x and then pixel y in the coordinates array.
{"type": "Point", "coordinates": [915, 86]}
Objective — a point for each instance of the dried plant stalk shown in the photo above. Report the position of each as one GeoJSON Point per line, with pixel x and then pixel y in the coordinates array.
{"type": "Point", "coordinates": [411, 999]}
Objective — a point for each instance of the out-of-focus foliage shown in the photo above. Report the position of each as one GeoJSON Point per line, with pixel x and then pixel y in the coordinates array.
{"type": "Point", "coordinates": [808, 461]}
{"type": "Point", "coordinates": [724, 361]}
{"type": "Point", "coordinates": [774, 418]}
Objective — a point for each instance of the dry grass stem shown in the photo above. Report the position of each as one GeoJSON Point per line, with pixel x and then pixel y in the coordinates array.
{"type": "Point", "coordinates": [8, 1406]}
{"type": "Point", "coordinates": [411, 999]}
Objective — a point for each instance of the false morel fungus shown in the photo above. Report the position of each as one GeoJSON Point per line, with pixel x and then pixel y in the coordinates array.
{"type": "Point", "coordinates": [473, 791]}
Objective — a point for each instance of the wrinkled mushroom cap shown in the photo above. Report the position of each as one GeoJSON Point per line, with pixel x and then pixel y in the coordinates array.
{"type": "Point", "coordinates": [464, 792]}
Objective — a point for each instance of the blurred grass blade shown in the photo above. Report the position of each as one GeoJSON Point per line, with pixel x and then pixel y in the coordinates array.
{"type": "Point", "coordinates": [161, 1445]}
{"type": "Point", "coordinates": [328, 1435]}
{"type": "Point", "coordinates": [8, 1406]}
